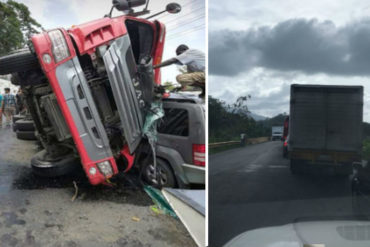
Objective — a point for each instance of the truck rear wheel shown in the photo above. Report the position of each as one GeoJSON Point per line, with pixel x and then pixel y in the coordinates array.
{"type": "Point", "coordinates": [26, 135]}
{"type": "Point", "coordinates": [294, 166]}
{"type": "Point", "coordinates": [17, 117]}
{"type": "Point", "coordinates": [20, 60]}
{"type": "Point", "coordinates": [45, 165]}
{"type": "Point", "coordinates": [24, 125]}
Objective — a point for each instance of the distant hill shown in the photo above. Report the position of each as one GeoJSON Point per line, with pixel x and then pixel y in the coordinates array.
{"type": "Point", "coordinates": [278, 120]}
{"type": "Point", "coordinates": [256, 116]}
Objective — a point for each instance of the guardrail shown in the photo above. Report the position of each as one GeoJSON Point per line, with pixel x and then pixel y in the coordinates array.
{"type": "Point", "coordinates": [248, 141]}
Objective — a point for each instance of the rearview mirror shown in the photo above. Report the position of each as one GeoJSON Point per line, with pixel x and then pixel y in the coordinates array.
{"type": "Point", "coordinates": [173, 8]}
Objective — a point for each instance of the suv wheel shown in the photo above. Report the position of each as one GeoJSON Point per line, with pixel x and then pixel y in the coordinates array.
{"type": "Point", "coordinates": [165, 176]}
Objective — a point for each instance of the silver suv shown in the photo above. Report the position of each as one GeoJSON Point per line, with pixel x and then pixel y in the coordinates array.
{"type": "Point", "coordinates": [180, 147]}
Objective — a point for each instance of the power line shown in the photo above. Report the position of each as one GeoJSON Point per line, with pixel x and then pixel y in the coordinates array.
{"type": "Point", "coordinates": [186, 4]}
{"type": "Point", "coordinates": [185, 23]}
{"type": "Point", "coordinates": [181, 16]}
{"type": "Point", "coordinates": [184, 34]}
{"type": "Point", "coordinates": [178, 34]}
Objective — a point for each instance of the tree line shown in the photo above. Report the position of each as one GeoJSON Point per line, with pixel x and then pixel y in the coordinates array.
{"type": "Point", "coordinates": [228, 121]}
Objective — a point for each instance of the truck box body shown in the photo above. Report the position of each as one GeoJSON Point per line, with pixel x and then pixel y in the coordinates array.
{"type": "Point", "coordinates": [325, 122]}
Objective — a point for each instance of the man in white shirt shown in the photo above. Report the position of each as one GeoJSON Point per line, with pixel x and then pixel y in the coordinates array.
{"type": "Point", "coordinates": [195, 64]}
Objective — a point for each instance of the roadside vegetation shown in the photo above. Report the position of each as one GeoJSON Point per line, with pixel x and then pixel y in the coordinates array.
{"type": "Point", "coordinates": [228, 121]}
{"type": "Point", "coordinates": [16, 26]}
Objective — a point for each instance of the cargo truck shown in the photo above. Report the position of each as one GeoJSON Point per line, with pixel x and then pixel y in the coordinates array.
{"type": "Point", "coordinates": [277, 133]}
{"type": "Point", "coordinates": [325, 127]}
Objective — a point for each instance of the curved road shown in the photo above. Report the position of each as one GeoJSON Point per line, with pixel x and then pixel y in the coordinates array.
{"type": "Point", "coordinates": [252, 187]}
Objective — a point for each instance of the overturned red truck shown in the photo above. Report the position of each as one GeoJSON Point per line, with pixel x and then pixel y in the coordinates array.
{"type": "Point", "coordinates": [89, 88]}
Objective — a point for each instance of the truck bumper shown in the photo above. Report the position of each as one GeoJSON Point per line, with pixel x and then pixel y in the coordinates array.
{"type": "Point", "coordinates": [322, 167]}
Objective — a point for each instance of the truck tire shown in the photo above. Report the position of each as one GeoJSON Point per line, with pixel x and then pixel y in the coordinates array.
{"type": "Point", "coordinates": [24, 125]}
{"type": "Point", "coordinates": [294, 167]}
{"type": "Point", "coordinates": [45, 166]}
{"type": "Point", "coordinates": [26, 135]}
{"type": "Point", "coordinates": [164, 173]}
{"type": "Point", "coordinates": [17, 117]}
{"type": "Point", "coordinates": [21, 60]}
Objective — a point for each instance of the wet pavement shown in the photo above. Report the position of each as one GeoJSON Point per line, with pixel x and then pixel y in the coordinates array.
{"type": "Point", "coordinates": [37, 211]}
{"type": "Point", "coordinates": [256, 189]}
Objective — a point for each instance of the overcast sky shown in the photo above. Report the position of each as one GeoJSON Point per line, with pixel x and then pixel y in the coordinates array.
{"type": "Point", "coordinates": [186, 27]}
{"type": "Point", "coordinates": [262, 47]}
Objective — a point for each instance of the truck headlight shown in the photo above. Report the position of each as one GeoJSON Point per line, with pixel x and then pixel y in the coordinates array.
{"type": "Point", "coordinates": [59, 45]}
{"type": "Point", "coordinates": [105, 168]}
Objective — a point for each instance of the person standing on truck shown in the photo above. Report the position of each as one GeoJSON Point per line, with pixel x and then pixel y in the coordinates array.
{"type": "Point", "coordinates": [195, 65]}
{"type": "Point", "coordinates": [8, 106]}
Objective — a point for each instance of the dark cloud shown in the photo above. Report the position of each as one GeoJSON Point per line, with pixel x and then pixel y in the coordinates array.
{"type": "Point", "coordinates": [307, 46]}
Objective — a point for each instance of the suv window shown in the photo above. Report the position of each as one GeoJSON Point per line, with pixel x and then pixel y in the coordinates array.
{"type": "Point", "coordinates": [174, 122]}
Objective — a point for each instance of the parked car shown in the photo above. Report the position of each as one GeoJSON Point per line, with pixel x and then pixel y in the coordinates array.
{"type": "Point", "coordinates": [181, 144]}
{"type": "Point", "coordinates": [285, 147]}
{"type": "Point", "coordinates": [89, 89]}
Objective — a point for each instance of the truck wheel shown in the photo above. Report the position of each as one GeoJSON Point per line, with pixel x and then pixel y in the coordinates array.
{"type": "Point", "coordinates": [17, 117]}
{"type": "Point", "coordinates": [26, 135]}
{"type": "Point", "coordinates": [293, 166]}
{"type": "Point", "coordinates": [44, 165]}
{"type": "Point", "coordinates": [24, 125]}
{"type": "Point", "coordinates": [164, 174]}
{"type": "Point", "coordinates": [360, 204]}
{"type": "Point", "coordinates": [21, 60]}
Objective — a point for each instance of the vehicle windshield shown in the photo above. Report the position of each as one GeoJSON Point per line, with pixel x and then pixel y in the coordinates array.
{"type": "Point", "coordinates": [279, 68]}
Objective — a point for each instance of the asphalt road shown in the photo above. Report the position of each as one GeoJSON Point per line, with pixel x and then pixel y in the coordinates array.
{"type": "Point", "coordinates": [252, 187]}
{"type": "Point", "coordinates": [38, 211]}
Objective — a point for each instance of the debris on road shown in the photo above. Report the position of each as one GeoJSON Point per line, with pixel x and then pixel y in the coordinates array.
{"type": "Point", "coordinates": [160, 200]}
{"type": "Point", "coordinates": [76, 191]}
{"type": "Point", "coordinates": [134, 218]}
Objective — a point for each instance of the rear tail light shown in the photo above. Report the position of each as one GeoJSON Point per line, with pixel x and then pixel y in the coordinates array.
{"type": "Point", "coordinates": [199, 154]}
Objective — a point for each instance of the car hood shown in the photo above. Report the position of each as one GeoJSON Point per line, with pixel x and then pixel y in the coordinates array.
{"type": "Point", "coordinates": [307, 234]}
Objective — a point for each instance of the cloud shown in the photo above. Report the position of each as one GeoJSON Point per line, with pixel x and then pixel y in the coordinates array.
{"type": "Point", "coordinates": [308, 46]}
